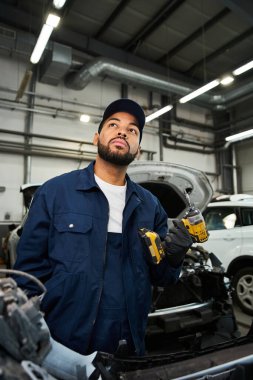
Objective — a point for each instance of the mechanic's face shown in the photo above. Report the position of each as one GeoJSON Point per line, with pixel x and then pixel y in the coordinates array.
{"type": "Point", "coordinates": [118, 141]}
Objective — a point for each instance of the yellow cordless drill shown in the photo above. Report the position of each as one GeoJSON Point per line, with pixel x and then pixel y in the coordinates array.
{"type": "Point", "coordinates": [193, 221]}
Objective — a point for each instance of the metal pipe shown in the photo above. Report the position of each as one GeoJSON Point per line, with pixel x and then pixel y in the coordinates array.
{"type": "Point", "coordinates": [56, 112]}
{"type": "Point", "coordinates": [28, 128]}
{"type": "Point", "coordinates": [234, 163]}
{"type": "Point", "coordinates": [184, 141]}
{"type": "Point", "coordinates": [49, 98]}
{"type": "Point", "coordinates": [35, 135]}
{"type": "Point", "coordinates": [15, 148]}
{"type": "Point", "coordinates": [192, 124]}
{"type": "Point", "coordinates": [187, 149]}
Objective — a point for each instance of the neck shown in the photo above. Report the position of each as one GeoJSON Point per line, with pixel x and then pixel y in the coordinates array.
{"type": "Point", "coordinates": [110, 173]}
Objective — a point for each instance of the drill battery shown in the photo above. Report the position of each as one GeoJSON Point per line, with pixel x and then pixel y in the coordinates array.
{"type": "Point", "coordinates": [154, 244]}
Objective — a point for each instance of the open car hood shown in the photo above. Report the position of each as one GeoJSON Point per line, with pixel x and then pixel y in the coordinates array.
{"type": "Point", "coordinates": [168, 182]}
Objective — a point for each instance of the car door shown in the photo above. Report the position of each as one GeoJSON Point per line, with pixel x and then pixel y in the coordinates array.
{"type": "Point", "coordinates": [225, 240]}
{"type": "Point", "coordinates": [247, 230]}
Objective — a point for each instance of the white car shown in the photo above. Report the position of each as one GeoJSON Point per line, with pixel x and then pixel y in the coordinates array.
{"type": "Point", "coordinates": [230, 224]}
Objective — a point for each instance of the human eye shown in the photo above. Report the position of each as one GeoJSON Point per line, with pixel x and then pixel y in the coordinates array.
{"type": "Point", "coordinates": [113, 125]}
{"type": "Point", "coordinates": [133, 131]}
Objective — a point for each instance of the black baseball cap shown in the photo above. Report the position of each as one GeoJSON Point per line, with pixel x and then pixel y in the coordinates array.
{"type": "Point", "coordinates": [125, 105]}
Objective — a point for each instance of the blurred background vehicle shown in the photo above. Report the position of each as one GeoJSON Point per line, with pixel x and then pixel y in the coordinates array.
{"type": "Point", "coordinates": [9, 244]}
{"type": "Point", "coordinates": [230, 225]}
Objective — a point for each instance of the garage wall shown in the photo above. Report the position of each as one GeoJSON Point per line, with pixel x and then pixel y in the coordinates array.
{"type": "Point", "coordinates": [11, 177]}
{"type": "Point", "coordinates": [57, 115]}
{"type": "Point", "coordinates": [244, 157]}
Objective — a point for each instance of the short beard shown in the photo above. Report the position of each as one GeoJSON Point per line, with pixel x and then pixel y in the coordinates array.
{"type": "Point", "coordinates": [119, 159]}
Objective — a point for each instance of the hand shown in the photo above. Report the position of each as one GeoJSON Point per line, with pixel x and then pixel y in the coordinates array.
{"type": "Point", "coordinates": [177, 242]}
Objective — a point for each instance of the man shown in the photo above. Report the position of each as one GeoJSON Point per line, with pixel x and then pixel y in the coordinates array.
{"type": "Point", "coordinates": [81, 239]}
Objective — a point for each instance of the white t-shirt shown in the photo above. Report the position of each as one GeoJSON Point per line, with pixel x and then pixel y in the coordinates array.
{"type": "Point", "coordinates": [116, 196]}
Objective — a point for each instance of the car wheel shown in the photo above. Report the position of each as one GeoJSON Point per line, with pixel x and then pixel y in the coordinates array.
{"type": "Point", "coordinates": [243, 285]}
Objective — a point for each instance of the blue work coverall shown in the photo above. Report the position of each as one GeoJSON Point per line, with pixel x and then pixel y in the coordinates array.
{"type": "Point", "coordinates": [64, 245]}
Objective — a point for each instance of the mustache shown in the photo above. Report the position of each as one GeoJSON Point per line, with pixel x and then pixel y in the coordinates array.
{"type": "Point", "coordinates": [122, 138]}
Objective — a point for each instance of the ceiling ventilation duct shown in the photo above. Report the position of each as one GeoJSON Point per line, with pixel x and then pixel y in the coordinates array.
{"type": "Point", "coordinates": [56, 64]}
{"type": "Point", "coordinates": [131, 74]}
{"type": "Point", "coordinates": [126, 73]}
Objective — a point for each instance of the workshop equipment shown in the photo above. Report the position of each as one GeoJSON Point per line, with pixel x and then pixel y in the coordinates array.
{"type": "Point", "coordinates": [194, 221]}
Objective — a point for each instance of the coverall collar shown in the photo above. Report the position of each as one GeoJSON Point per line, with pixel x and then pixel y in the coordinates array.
{"type": "Point", "coordinates": [86, 181]}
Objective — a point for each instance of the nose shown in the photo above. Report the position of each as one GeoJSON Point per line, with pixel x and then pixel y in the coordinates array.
{"type": "Point", "coordinates": [122, 134]}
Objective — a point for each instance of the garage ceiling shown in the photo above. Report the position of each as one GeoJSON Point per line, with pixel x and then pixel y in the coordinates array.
{"type": "Point", "coordinates": [190, 42]}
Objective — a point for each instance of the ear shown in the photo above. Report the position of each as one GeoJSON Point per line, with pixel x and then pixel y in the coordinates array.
{"type": "Point", "coordinates": [138, 153]}
{"type": "Point", "coordinates": [95, 138]}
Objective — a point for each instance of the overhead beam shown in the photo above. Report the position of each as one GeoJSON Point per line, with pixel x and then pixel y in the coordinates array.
{"type": "Point", "coordinates": [112, 17]}
{"type": "Point", "coordinates": [220, 51]}
{"type": "Point", "coordinates": [209, 24]}
{"type": "Point", "coordinates": [154, 23]}
{"type": "Point", "coordinates": [22, 18]}
{"type": "Point", "coordinates": [242, 7]}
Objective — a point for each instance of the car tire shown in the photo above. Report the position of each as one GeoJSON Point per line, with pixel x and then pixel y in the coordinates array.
{"type": "Point", "coordinates": [243, 289]}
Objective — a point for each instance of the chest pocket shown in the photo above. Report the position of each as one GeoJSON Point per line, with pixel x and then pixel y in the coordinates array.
{"type": "Point", "coordinates": [72, 235]}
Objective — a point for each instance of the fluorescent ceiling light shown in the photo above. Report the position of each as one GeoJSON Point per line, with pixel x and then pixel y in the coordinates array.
{"type": "Point", "coordinates": [200, 91]}
{"type": "Point", "coordinates": [53, 20]}
{"type": "Point", "coordinates": [48, 27]}
{"type": "Point", "coordinates": [41, 43]}
{"type": "Point", "coordinates": [85, 118]}
{"type": "Point", "coordinates": [58, 4]}
{"type": "Point", "coordinates": [158, 113]}
{"type": "Point", "coordinates": [243, 68]}
{"type": "Point", "coordinates": [240, 136]}
{"type": "Point", "coordinates": [227, 80]}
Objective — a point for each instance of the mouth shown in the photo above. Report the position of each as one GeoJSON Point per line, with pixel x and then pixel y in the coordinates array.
{"type": "Point", "coordinates": [119, 142]}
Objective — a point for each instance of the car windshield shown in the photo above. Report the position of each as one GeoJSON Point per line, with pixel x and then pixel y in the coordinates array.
{"type": "Point", "coordinates": [220, 218]}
